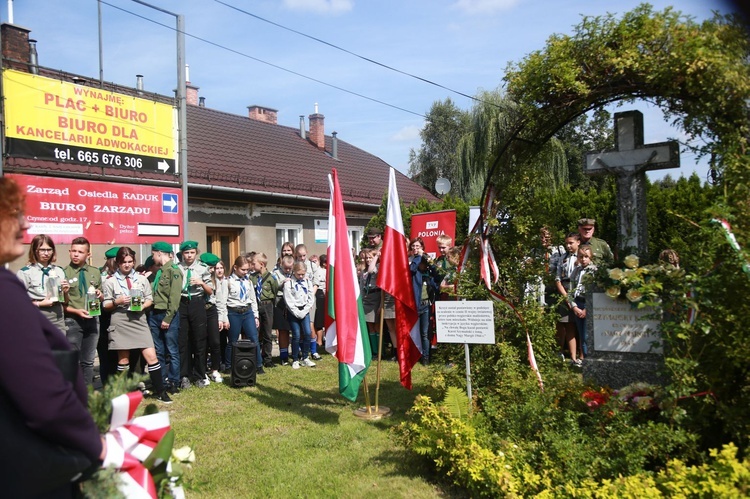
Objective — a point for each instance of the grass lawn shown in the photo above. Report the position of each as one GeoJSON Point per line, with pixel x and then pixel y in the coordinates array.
{"type": "Point", "coordinates": [293, 435]}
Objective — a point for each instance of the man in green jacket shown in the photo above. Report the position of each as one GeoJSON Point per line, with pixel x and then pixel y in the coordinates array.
{"type": "Point", "coordinates": [599, 247]}
{"type": "Point", "coordinates": [164, 321]}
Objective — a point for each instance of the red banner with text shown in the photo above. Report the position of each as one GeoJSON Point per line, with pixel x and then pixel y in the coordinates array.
{"type": "Point", "coordinates": [430, 225]}
{"type": "Point", "coordinates": [102, 212]}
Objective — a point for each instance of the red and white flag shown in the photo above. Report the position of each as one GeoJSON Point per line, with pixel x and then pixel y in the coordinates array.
{"type": "Point", "coordinates": [346, 328]}
{"type": "Point", "coordinates": [395, 279]}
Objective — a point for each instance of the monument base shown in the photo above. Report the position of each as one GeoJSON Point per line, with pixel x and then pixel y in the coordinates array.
{"type": "Point", "coordinates": [619, 370]}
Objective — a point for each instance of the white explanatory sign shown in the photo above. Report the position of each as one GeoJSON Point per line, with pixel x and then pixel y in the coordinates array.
{"type": "Point", "coordinates": [471, 322]}
{"type": "Point", "coordinates": [618, 327]}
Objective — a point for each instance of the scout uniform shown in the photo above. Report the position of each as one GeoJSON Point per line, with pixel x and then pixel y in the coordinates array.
{"type": "Point", "coordinates": [192, 338]}
{"type": "Point", "coordinates": [266, 287]}
{"type": "Point", "coordinates": [129, 327]}
{"type": "Point", "coordinates": [242, 309]}
{"type": "Point", "coordinates": [82, 332]}
{"type": "Point", "coordinates": [167, 287]}
{"type": "Point", "coordinates": [37, 281]}
{"type": "Point", "coordinates": [107, 359]}
{"type": "Point", "coordinates": [214, 311]}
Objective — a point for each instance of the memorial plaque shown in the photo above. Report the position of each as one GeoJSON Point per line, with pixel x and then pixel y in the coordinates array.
{"type": "Point", "coordinates": [618, 327]}
{"type": "Point", "coordinates": [471, 322]}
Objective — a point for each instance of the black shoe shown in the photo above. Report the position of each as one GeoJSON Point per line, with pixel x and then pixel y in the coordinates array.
{"type": "Point", "coordinates": [260, 371]}
{"type": "Point", "coordinates": [172, 388]}
{"type": "Point", "coordinates": [164, 397]}
{"type": "Point", "coordinates": [425, 361]}
{"type": "Point", "coordinates": [269, 364]}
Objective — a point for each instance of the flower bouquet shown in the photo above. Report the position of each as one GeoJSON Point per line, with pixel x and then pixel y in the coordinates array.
{"type": "Point", "coordinates": [640, 285]}
{"type": "Point", "coordinates": [140, 459]}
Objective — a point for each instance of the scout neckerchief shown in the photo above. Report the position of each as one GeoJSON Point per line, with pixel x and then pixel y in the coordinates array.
{"type": "Point", "coordinates": [156, 279]}
{"type": "Point", "coordinates": [300, 284]}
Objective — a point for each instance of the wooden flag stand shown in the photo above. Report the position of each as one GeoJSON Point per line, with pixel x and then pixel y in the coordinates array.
{"type": "Point", "coordinates": [378, 412]}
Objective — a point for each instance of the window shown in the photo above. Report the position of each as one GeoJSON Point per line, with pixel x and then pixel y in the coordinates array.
{"type": "Point", "coordinates": [355, 237]}
{"type": "Point", "coordinates": [224, 243]}
{"type": "Point", "coordinates": [288, 233]}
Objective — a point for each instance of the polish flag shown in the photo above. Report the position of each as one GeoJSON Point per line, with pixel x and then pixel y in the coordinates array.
{"type": "Point", "coordinates": [395, 279]}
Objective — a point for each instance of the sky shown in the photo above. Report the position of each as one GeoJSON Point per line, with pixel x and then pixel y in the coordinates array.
{"type": "Point", "coordinates": [238, 60]}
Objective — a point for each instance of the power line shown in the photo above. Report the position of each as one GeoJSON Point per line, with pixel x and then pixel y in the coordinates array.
{"type": "Point", "coordinates": [228, 49]}
{"type": "Point", "coordinates": [372, 61]}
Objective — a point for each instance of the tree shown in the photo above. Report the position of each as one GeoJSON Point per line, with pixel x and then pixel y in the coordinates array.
{"type": "Point", "coordinates": [438, 154]}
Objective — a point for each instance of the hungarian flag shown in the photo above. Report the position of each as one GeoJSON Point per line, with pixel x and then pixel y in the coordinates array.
{"type": "Point", "coordinates": [346, 328]}
{"type": "Point", "coordinates": [395, 279]}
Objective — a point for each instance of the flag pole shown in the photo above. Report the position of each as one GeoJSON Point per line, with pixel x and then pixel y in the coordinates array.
{"type": "Point", "coordinates": [380, 350]}
{"type": "Point", "coordinates": [367, 395]}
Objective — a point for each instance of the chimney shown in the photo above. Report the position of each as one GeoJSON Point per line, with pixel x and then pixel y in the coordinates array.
{"type": "Point", "coordinates": [192, 94]}
{"type": "Point", "coordinates": [201, 102]}
{"type": "Point", "coordinates": [334, 146]}
{"type": "Point", "coordinates": [139, 84]}
{"type": "Point", "coordinates": [33, 58]}
{"type": "Point", "coordinates": [261, 113]}
{"type": "Point", "coordinates": [302, 126]}
{"type": "Point", "coordinates": [15, 47]}
{"type": "Point", "coordinates": [317, 132]}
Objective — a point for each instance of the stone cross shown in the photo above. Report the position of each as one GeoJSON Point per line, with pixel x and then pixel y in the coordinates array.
{"type": "Point", "coordinates": [629, 162]}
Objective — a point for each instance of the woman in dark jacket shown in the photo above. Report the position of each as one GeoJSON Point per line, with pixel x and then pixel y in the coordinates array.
{"type": "Point", "coordinates": [32, 387]}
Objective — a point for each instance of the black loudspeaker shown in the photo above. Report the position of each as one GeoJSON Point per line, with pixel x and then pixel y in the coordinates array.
{"type": "Point", "coordinates": [244, 354]}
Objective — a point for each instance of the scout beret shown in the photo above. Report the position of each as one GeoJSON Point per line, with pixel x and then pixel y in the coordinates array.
{"type": "Point", "coordinates": [162, 246]}
{"type": "Point", "coordinates": [374, 231]}
{"type": "Point", "coordinates": [149, 262]}
{"type": "Point", "coordinates": [189, 245]}
{"type": "Point", "coordinates": [111, 252]}
{"type": "Point", "coordinates": [209, 259]}
{"type": "Point", "coordinates": [586, 221]}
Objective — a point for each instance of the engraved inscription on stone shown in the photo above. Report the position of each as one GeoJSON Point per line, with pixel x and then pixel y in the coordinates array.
{"type": "Point", "coordinates": [620, 328]}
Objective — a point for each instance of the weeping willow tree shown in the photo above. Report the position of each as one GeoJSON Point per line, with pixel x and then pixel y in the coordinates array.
{"type": "Point", "coordinates": [489, 149]}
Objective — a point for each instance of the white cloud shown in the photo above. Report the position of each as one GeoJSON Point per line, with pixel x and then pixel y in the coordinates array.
{"type": "Point", "coordinates": [484, 6]}
{"type": "Point", "coordinates": [407, 133]}
{"type": "Point", "coordinates": [320, 6]}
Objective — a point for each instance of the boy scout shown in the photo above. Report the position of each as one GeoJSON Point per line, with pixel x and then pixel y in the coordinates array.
{"type": "Point", "coordinates": [266, 288]}
{"type": "Point", "coordinates": [196, 284]}
{"type": "Point", "coordinates": [82, 328]}
{"type": "Point", "coordinates": [164, 319]}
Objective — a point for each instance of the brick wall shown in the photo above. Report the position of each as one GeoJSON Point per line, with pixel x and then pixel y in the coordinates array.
{"type": "Point", "coordinates": [15, 47]}
{"type": "Point", "coordinates": [317, 130]}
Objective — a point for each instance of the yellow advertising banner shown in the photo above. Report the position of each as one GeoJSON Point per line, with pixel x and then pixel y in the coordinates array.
{"type": "Point", "coordinates": [52, 119]}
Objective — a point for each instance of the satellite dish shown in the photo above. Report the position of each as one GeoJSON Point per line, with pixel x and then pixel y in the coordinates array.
{"type": "Point", "coordinates": [442, 186]}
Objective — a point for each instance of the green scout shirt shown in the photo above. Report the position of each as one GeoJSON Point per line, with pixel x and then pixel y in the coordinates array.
{"type": "Point", "coordinates": [600, 250]}
{"type": "Point", "coordinates": [270, 286]}
{"type": "Point", "coordinates": [80, 278]}
{"type": "Point", "coordinates": [167, 287]}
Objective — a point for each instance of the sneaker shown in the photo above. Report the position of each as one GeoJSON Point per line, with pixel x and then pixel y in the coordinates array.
{"type": "Point", "coordinates": [316, 356]}
{"type": "Point", "coordinates": [185, 383]}
{"type": "Point", "coordinates": [285, 362]}
{"type": "Point", "coordinates": [172, 388]}
{"type": "Point", "coordinates": [562, 356]}
{"type": "Point", "coordinates": [295, 364]}
{"type": "Point", "coordinates": [202, 383]}
{"type": "Point", "coordinates": [308, 363]}
{"type": "Point", "coordinates": [216, 377]}
{"type": "Point", "coordinates": [164, 397]}
{"type": "Point", "coordinates": [576, 363]}
{"type": "Point", "coordinates": [269, 364]}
